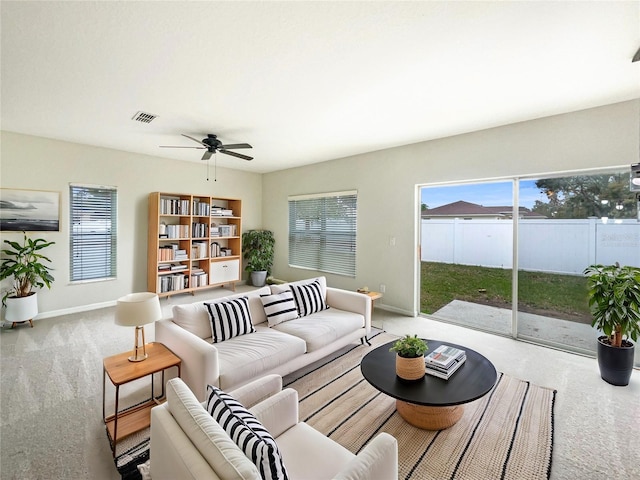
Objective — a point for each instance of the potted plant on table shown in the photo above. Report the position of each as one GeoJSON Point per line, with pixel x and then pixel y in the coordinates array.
{"type": "Point", "coordinates": [24, 263]}
{"type": "Point", "coordinates": [410, 357]}
{"type": "Point", "coordinates": [257, 250]}
{"type": "Point", "coordinates": [614, 300]}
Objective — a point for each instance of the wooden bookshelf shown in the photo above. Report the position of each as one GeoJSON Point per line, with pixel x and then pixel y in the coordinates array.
{"type": "Point", "coordinates": [194, 242]}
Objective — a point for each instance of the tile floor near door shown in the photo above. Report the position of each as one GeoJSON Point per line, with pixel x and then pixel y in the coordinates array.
{"type": "Point", "coordinates": [597, 425]}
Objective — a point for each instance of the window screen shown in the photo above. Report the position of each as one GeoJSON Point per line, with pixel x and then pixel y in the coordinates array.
{"type": "Point", "coordinates": [322, 232]}
{"type": "Point", "coordinates": [93, 232]}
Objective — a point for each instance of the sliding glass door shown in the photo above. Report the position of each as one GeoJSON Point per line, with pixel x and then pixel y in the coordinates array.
{"type": "Point", "coordinates": [466, 254]}
{"type": "Point", "coordinates": [583, 220]}
{"type": "Point", "coordinates": [508, 257]}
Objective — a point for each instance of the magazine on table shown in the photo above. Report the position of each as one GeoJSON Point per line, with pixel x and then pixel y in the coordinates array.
{"type": "Point", "coordinates": [444, 357]}
{"type": "Point", "coordinates": [445, 374]}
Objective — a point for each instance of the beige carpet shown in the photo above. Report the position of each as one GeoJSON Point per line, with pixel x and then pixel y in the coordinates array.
{"type": "Point", "coordinates": [507, 434]}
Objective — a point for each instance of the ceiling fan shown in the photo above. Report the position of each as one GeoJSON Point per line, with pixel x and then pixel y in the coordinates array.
{"type": "Point", "coordinates": [213, 145]}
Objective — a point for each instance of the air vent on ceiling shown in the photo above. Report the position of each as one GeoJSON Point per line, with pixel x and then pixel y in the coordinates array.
{"type": "Point", "coordinates": [143, 117]}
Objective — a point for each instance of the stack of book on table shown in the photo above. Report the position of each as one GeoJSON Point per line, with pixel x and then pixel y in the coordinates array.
{"type": "Point", "coordinates": [444, 361]}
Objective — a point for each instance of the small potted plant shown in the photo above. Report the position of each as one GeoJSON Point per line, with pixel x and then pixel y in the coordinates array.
{"type": "Point", "coordinates": [410, 357]}
{"type": "Point", "coordinates": [24, 263]}
{"type": "Point", "coordinates": [258, 250]}
{"type": "Point", "coordinates": [614, 300]}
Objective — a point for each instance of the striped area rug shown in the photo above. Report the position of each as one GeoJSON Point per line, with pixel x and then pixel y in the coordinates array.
{"type": "Point", "coordinates": [507, 434]}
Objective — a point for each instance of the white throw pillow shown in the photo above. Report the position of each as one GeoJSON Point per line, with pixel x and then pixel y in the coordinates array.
{"type": "Point", "coordinates": [247, 432]}
{"type": "Point", "coordinates": [230, 319]}
{"type": "Point", "coordinates": [194, 317]}
{"type": "Point", "coordinates": [279, 307]}
{"type": "Point", "coordinates": [309, 298]}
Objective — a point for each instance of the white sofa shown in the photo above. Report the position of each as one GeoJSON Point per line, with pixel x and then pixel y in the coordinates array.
{"type": "Point", "coordinates": [187, 443]}
{"type": "Point", "coordinates": [280, 349]}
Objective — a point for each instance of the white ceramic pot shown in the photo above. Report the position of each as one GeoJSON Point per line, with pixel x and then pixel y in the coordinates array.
{"type": "Point", "coordinates": [259, 278]}
{"type": "Point", "coordinates": [21, 309]}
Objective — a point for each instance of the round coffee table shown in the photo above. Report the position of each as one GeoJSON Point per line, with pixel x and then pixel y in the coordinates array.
{"type": "Point", "coordinates": [430, 403]}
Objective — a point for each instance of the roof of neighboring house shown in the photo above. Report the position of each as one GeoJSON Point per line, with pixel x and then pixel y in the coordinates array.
{"type": "Point", "coordinates": [468, 209]}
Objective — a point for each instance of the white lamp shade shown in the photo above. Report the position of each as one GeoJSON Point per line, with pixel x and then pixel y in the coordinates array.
{"type": "Point", "coordinates": [138, 309]}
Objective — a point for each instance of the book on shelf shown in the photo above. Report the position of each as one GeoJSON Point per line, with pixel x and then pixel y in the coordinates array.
{"type": "Point", "coordinates": [199, 250]}
{"type": "Point", "coordinates": [444, 357]}
{"type": "Point", "coordinates": [177, 231]}
{"type": "Point", "coordinates": [199, 277]}
{"type": "Point", "coordinates": [227, 230]}
{"type": "Point", "coordinates": [221, 211]}
{"type": "Point", "coordinates": [169, 283]}
{"type": "Point", "coordinates": [173, 206]}
{"type": "Point", "coordinates": [180, 254]}
{"type": "Point", "coordinates": [200, 208]}
{"type": "Point", "coordinates": [167, 252]}
{"type": "Point", "coordinates": [215, 249]}
{"type": "Point", "coordinates": [445, 374]}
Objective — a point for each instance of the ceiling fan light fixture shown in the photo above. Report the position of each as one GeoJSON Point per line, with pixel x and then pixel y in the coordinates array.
{"type": "Point", "coordinates": [213, 145]}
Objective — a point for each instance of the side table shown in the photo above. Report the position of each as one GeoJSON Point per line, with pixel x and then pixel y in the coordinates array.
{"type": "Point", "coordinates": [120, 371]}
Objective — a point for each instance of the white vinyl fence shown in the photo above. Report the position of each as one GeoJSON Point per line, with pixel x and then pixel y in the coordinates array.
{"type": "Point", "coordinates": [545, 245]}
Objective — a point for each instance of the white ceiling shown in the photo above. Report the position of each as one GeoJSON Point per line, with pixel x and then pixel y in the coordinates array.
{"type": "Point", "coordinates": [305, 82]}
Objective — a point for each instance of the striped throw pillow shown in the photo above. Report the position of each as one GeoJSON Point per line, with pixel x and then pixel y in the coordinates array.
{"type": "Point", "coordinates": [247, 432]}
{"type": "Point", "coordinates": [279, 307]}
{"type": "Point", "coordinates": [230, 319]}
{"type": "Point", "coordinates": [309, 298]}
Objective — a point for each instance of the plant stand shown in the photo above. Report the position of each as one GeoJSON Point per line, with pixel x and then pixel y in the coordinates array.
{"type": "Point", "coordinates": [21, 310]}
{"type": "Point", "coordinates": [13, 324]}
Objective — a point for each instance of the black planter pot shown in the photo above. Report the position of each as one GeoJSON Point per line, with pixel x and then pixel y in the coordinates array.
{"type": "Point", "coordinates": [616, 363]}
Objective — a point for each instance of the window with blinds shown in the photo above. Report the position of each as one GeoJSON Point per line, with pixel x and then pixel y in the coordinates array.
{"type": "Point", "coordinates": [93, 232]}
{"type": "Point", "coordinates": [322, 232]}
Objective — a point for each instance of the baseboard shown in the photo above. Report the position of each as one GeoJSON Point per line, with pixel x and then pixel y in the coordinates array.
{"type": "Point", "coordinates": [397, 310]}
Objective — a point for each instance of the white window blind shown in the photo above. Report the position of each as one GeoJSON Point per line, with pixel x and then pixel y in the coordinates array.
{"type": "Point", "coordinates": [93, 232]}
{"type": "Point", "coordinates": [322, 232]}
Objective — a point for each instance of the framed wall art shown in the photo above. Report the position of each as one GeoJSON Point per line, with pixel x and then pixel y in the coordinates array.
{"type": "Point", "coordinates": [29, 210]}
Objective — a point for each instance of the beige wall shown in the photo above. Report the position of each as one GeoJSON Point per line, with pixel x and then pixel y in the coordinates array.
{"type": "Point", "coordinates": [387, 194]}
{"type": "Point", "coordinates": [386, 182]}
{"type": "Point", "coordinates": [42, 164]}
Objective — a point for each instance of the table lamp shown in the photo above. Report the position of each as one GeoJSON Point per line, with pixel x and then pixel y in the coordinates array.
{"type": "Point", "coordinates": [136, 310]}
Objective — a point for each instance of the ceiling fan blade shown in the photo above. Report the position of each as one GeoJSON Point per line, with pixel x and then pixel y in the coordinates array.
{"type": "Point", "coordinates": [234, 154]}
{"type": "Point", "coordinates": [237, 145]}
{"type": "Point", "coordinates": [194, 139]}
{"type": "Point", "coordinates": [207, 155]}
{"type": "Point", "coordinates": [179, 146]}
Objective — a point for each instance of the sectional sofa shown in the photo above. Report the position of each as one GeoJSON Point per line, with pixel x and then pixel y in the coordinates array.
{"type": "Point", "coordinates": [279, 329]}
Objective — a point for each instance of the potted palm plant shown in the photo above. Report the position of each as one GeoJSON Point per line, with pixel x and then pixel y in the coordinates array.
{"type": "Point", "coordinates": [410, 357]}
{"type": "Point", "coordinates": [257, 250]}
{"type": "Point", "coordinates": [24, 262]}
{"type": "Point", "coordinates": [614, 300]}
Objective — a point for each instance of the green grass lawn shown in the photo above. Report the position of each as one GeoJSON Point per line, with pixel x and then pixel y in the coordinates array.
{"type": "Point", "coordinates": [559, 296]}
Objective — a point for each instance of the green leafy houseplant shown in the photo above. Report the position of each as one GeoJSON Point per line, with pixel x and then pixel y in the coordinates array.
{"type": "Point", "coordinates": [410, 347]}
{"type": "Point", "coordinates": [257, 250]}
{"type": "Point", "coordinates": [24, 263]}
{"type": "Point", "coordinates": [614, 300]}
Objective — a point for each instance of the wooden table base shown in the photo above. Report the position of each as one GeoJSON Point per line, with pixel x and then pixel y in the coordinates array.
{"type": "Point", "coordinates": [429, 418]}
